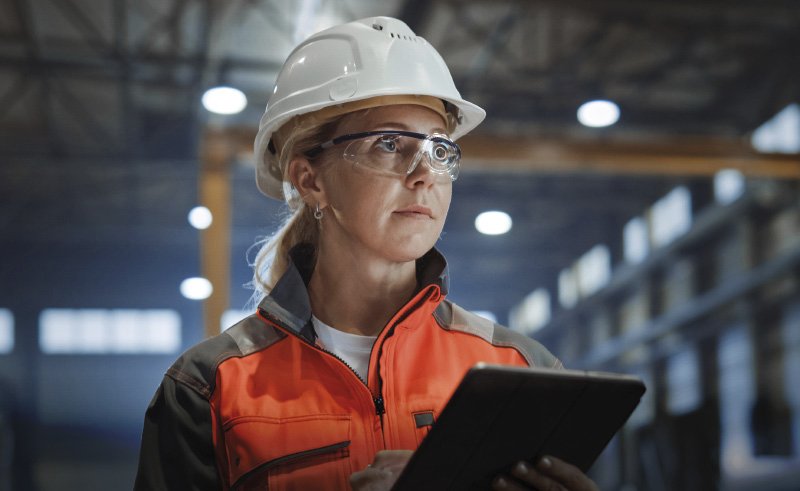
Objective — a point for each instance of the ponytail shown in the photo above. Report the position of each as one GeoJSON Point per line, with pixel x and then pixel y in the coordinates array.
{"type": "Point", "coordinates": [272, 259]}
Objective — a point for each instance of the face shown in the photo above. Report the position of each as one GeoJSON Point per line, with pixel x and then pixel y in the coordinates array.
{"type": "Point", "coordinates": [398, 218]}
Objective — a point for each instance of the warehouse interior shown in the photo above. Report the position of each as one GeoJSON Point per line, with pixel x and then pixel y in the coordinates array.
{"type": "Point", "coordinates": [665, 245]}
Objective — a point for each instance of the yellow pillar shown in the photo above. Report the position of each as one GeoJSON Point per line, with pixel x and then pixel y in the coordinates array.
{"type": "Point", "coordinates": [215, 241]}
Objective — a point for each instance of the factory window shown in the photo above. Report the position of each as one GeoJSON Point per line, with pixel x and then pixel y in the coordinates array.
{"type": "Point", "coordinates": [729, 184]}
{"type": "Point", "coordinates": [736, 393]}
{"type": "Point", "coordinates": [568, 293]}
{"type": "Point", "coordinates": [781, 134]}
{"type": "Point", "coordinates": [671, 216]}
{"type": "Point", "coordinates": [6, 331]}
{"type": "Point", "coordinates": [683, 382]}
{"type": "Point", "coordinates": [791, 362]}
{"type": "Point", "coordinates": [98, 331]}
{"type": "Point", "coordinates": [634, 238]}
{"type": "Point", "coordinates": [532, 313]}
{"type": "Point", "coordinates": [594, 270]}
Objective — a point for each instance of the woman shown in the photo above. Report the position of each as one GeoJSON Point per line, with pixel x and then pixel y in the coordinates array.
{"type": "Point", "coordinates": [353, 350]}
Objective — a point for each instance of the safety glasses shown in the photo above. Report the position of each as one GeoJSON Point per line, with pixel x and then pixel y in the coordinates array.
{"type": "Point", "coordinates": [398, 153]}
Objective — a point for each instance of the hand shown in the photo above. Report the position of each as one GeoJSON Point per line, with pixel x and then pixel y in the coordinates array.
{"type": "Point", "coordinates": [382, 473]}
{"type": "Point", "coordinates": [549, 474]}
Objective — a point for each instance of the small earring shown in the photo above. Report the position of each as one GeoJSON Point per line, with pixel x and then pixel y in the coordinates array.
{"type": "Point", "coordinates": [318, 213]}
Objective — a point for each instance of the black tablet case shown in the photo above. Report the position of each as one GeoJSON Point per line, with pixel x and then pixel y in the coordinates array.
{"type": "Point", "coordinates": [500, 415]}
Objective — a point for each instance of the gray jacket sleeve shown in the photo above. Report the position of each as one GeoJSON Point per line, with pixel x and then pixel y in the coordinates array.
{"type": "Point", "coordinates": [177, 449]}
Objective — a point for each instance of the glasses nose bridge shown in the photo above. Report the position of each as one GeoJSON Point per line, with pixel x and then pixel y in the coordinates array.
{"type": "Point", "coordinates": [422, 152]}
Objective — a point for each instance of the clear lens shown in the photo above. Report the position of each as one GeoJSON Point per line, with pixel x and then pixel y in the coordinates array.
{"type": "Point", "coordinates": [399, 155]}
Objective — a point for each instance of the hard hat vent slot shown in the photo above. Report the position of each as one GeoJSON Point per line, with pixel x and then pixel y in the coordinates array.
{"type": "Point", "coordinates": [404, 37]}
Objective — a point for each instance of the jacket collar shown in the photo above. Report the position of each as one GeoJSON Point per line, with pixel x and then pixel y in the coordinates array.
{"type": "Point", "coordinates": [289, 303]}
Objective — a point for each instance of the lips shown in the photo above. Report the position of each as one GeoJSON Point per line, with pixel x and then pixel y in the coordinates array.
{"type": "Point", "coordinates": [416, 210]}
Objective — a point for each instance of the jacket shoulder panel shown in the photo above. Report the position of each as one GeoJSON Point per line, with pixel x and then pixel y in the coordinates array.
{"type": "Point", "coordinates": [455, 318]}
{"type": "Point", "coordinates": [197, 367]}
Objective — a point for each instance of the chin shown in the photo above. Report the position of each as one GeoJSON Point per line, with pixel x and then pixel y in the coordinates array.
{"type": "Point", "coordinates": [408, 252]}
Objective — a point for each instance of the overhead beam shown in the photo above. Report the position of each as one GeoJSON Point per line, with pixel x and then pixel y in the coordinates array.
{"type": "Point", "coordinates": [83, 25]}
{"type": "Point", "coordinates": [703, 11]}
{"type": "Point", "coordinates": [673, 157]}
{"type": "Point", "coordinates": [142, 64]}
{"type": "Point", "coordinates": [685, 156]}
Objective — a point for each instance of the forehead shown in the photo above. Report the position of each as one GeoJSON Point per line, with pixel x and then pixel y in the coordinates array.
{"type": "Point", "coordinates": [403, 116]}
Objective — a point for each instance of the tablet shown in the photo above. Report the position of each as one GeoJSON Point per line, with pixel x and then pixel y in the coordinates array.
{"type": "Point", "coordinates": [499, 415]}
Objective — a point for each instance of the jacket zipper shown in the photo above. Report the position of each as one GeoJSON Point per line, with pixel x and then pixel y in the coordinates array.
{"type": "Point", "coordinates": [287, 458]}
{"type": "Point", "coordinates": [380, 405]}
{"type": "Point", "coordinates": [376, 401]}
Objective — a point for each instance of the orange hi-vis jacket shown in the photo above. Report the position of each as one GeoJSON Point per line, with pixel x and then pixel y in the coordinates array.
{"type": "Point", "coordinates": [263, 406]}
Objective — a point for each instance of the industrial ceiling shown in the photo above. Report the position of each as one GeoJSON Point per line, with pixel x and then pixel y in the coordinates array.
{"type": "Point", "coordinates": [101, 121]}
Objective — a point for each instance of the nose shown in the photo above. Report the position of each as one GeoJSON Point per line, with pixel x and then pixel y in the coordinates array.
{"type": "Point", "coordinates": [421, 175]}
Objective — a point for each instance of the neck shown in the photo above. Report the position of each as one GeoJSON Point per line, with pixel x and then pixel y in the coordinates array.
{"type": "Point", "coordinates": [357, 293]}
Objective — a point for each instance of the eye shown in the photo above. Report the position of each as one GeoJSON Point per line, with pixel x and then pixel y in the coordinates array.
{"type": "Point", "coordinates": [387, 143]}
{"type": "Point", "coordinates": [440, 152]}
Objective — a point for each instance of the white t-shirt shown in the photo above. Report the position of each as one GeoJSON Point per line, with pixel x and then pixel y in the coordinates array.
{"type": "Point", "coordinates": [354, 349]}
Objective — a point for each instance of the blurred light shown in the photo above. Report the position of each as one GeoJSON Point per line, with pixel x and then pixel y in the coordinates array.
{"type": "Point", "coordinates": [118, 331]}
{"type": "Point", "coordinates": [728, 185]}
{"type": "Point", "coordinates": [781, 134]}
{"type": "Point", "coordinates": [597, 114]}
{"type": "Point", "coordinates": [593, 270]}
{"type": "Point", "coordinates": [635, 241]}
{"type": "Point", "coordinates": [162, 330]}
{"type": "Point", "coordinates": [683, 381]}
{"type": "Point", "coordinates": [671, 216]}
{"type": "Point", "coordinates": [532, 313]}
{"type": "Point", "coordinates": [224, 100]}
{"type": "Point", "coordinates": [6, 331]}
{"type": "Point", "coordinates": [568, 288]}
{"type": "Point", "coordinates": [200, 217]}
{"type": "Point", "coordinates": [493, 222]}
{"type": "Point", "coordinates": [196, 288]}
{"type": "Point", "coordinates": [737, 388]}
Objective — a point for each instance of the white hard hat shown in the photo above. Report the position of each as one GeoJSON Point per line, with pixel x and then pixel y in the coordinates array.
{"type": "Point", "coordinates": [367, 58]}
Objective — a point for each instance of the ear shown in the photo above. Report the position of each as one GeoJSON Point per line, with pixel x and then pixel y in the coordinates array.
{"type": "Point", "coordinates": [306, 180]}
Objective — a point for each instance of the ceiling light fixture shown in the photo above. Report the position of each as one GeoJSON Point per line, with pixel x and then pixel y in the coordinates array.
{"type": "Point", "coordinates": [493, 222]}
{"type": "Point", "coordinates": [196, 288]}
{"type": "Point", "coordinates": [224, 100]}
{"type": "Point", "coordinates": [200, 217]}
{"type": "Point", "coordinates": [598, 114]}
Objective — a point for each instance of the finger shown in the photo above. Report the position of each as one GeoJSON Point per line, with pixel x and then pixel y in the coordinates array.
{"type": "Point", "coordinates": [507, 483]}
{"type": "Point", "coordinates": [529, 475]}
{"type": "Point", "coordinates": [382, 473]}
{"type": "Point", "coordinates": [566, 474]}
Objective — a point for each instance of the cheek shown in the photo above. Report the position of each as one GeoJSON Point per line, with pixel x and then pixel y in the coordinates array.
{"type": "Point", "coordinates": [448, 195]}
{"type": "Point", "coordinates": [445, 196]}
{"type": "Point", "coordinates": [356, 196]}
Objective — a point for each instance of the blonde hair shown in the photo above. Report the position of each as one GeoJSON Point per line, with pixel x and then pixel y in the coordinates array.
{"type": "Point", "coordinates": [300, 226]}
